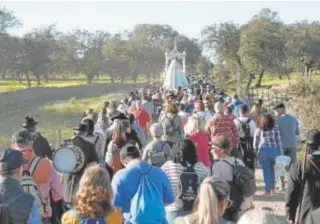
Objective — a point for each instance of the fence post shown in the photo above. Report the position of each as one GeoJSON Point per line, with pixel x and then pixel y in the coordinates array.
{"type": "Point", "coordinates": [59, 136]}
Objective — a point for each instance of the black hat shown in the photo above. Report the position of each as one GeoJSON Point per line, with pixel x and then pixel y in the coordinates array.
{"type": "Point", "coordinates": [130, 151]}
{"type": "Point", "coordinates": [81, 127]}
{"type": "Point", "coordinates": [120, 116]}
{"type": "Point", "coordinates": [279, 106]}
{"type": "Point", "coordinates": [22, 136]}
{"type": "Point", "coordinates": [220, 187]}
{"type": "Point", "coordinates": [29, 122]}
{"type": "Point", "coordinates": [313, 137]}
{"type": "Point", "coordinates": [12, 159]}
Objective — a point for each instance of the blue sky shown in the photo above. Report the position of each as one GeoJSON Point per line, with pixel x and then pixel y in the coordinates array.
{"type": "Point", "coordinates": [187, 17]}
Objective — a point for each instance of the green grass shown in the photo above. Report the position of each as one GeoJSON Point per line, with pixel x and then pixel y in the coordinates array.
{"type": "Point", "coordinates": [62, 117]}
{"type": "Point", "coordinates": [9, 85]}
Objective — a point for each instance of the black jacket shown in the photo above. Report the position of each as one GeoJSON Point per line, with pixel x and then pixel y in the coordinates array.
{"type": "Point", "coordinates": [71, 180]}
{"type": "Point", "coordinates": [310, 199]}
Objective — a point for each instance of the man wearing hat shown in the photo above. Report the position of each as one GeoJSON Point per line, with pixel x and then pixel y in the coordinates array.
{"type": "Point", "coordinates": [41, 146]}
{"type": "Point", "coordinates": [71, 180]}
{"type": "Point", "coordinates": [23, 208]}
{"type": "Point", "coordinates": [132, 187]}
{"type": "Point", "coordinates": [289, 132]}
{"type": "Point", "coordinates": [304, 178]}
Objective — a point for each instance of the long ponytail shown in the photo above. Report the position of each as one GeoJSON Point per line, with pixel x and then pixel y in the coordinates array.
{"type": "Point", "coordinates": [207, 204]}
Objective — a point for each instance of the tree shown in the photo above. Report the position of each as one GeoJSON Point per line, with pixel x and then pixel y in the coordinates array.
{"type": "Point", "coordinates": [7, 20]}
{"type": "Point", "coordinates": [222, 41]}
{"type": "Point", "coordinates": [90, 52]}
{"type": "Point", "coordinates": [204, 65]}
{"type": "Point", "coordinates": [262, 44]}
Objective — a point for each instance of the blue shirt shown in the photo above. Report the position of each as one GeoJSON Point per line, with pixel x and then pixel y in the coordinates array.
{"type": "Point", "coordinates": [189, 108]}
{"type": "Point", "coordinates": [126, 182]}
{"type": "Point", "coordinates": [34, 217]}
{"type": "Point", "coordinates": [289, 129]}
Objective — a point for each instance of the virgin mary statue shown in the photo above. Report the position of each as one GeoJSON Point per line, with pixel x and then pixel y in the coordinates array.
{"type": "Point", "coordinates": [175, 75]}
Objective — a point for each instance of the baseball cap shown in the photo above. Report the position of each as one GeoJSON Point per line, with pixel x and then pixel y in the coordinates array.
{"type": "Point", "coordinates": [12, 158]}
{"type": "Point", "coordinates": [220, 187]}
{"type": "Point", "coordinates": [21, 137]}
{"type": "Point", "coordinates": [130, 151]}
{"type": "Point", "coordinates": [279, 106]}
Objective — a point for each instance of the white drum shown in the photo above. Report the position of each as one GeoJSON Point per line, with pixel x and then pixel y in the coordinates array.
{"type": "Point", "coordinates": [282, 165]}
{"type": "Point", "coordinates": [68, 159]}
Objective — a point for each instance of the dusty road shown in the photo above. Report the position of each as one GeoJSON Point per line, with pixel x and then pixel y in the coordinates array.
{"type": "Point", "coordinates": [276, 203]}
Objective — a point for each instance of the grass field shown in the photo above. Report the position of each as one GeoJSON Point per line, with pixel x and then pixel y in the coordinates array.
{"type": "Point", "coordinates": [58, 119]}
{"type": "Point", "coordinates": [268, 80]}
{"type": "Point", "coordinates": [9, 85]}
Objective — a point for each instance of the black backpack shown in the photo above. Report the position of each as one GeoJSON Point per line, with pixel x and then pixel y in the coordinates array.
{"type": "Point", "coordinates": [244, 130]}
{"type": "Point", "coordinates": [188, 188]}
{"type": "Point", "coordinates": [5, 217]}
{"type": "Point", "coordinates": [243, 178]}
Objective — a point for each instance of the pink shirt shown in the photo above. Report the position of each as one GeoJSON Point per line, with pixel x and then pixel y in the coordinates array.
{"type": "Point", "coordinates": [201, 140]}
{"type": "Point", "coordinates": [55, 186]}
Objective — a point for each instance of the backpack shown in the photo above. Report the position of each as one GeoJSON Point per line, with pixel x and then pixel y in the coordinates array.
{"type": "Point", "coordinates": [146, 200]}
{"type": "Point", "coordinates": [168, 125]}
{"type": "Point", "coordinates": [28, 184]}
{"type": "Point", "coordinates": [313, 177]}
{"type": "Point", "coordinates": [5, 217]}
{"type": "Point", "coordinates": [188, 188]}
{"type": "Point", "coordinates": [158, 157]}
{"type": "Point", "coordinates": [89, 220]}
{"type": "Point", "coordinates": [244, 130]}
{"type": "Point", "coordinates": [243, 178]}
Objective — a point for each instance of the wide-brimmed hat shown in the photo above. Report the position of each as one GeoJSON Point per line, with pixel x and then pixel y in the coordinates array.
{"type": "Point", "coordinates": [29, 122]}
{"type": "Point", "coordinates": [120, 116]}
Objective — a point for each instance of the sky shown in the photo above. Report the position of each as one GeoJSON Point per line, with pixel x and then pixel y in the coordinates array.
{"type": "Point", "coordinates": [188, 18]}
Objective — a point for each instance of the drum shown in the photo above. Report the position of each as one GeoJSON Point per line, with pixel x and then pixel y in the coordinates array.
{"type": "Point", "coordinates": [68, 159]}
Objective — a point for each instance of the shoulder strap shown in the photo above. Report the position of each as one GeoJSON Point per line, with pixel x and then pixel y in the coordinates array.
{"type": "Point", "coordinates": [33, 164]}
{"type": "Point", "coordinates": [13, 199]}
{"type": "Point", "coordinates": [314, 165]}
{"type": "Point", "coordinates": [228, 163]}
{"type": "Point", "coordinates": [248, 121]}
{"type": "Point", "coordinates": [95, 141]}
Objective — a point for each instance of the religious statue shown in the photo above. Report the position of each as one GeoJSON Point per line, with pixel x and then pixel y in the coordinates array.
{"type": "Point", "coordinates": [175, 74]}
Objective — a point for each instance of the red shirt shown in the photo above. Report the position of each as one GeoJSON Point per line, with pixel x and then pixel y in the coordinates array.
{"type": "Point", "coordinates": [222, 124]}
{"type": "Point", "coordinates": [142, 118]}
{"type": "Point", "coordinates": [201, 140]}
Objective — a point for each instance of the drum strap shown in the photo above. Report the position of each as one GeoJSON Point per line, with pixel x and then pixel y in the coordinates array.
{"type": "Point", "coordinates": [33, 164]}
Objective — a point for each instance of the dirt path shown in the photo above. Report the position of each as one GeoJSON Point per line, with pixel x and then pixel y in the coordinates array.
{"type": "Point", "coordinates": [276, 203]}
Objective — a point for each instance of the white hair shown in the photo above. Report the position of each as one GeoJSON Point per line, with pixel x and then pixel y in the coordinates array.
{"type": "Point", "coordinates": [258, 216]}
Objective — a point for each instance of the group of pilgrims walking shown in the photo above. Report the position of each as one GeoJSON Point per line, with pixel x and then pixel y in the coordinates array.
{"type": "Point", "coordinates": [185, 156]}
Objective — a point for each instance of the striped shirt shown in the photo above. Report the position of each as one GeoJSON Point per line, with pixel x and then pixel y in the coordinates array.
{"type": "Point", "coordinates": [174, 170]}
{"type": "Point", "coordinates": [222, 124]}
{"type": "Point", "coordinates": [269, 138]}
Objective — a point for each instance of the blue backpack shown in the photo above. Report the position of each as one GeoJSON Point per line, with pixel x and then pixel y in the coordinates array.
{"type": "Point", "coordinates": [146, 201]}
{"type": "Point", "coordinates": [89, 220]}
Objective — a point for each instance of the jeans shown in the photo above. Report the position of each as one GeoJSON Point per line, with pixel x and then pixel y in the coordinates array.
{"type": "Point", "coordinates": [171, 215]}
{"type": "Point", "coordinates": [267, 157]}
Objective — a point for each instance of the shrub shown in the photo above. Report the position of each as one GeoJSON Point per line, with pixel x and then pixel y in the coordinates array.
{"type": "Point", "coordinates": [304, 101]}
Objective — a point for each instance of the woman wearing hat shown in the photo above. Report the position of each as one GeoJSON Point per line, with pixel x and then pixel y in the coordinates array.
{"type": "Point", "coordinates": [212, 201]}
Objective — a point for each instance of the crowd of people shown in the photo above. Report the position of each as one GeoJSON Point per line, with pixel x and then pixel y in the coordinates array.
{"type": "Point", "coordinates": [160, 156]}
